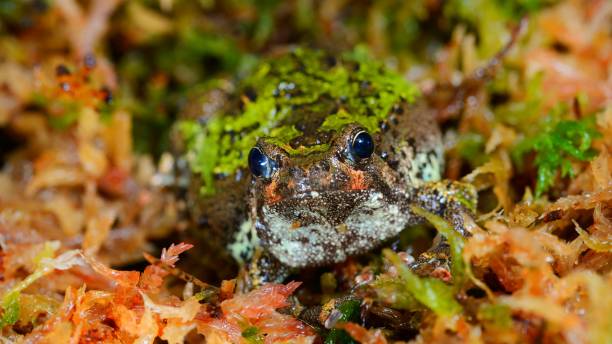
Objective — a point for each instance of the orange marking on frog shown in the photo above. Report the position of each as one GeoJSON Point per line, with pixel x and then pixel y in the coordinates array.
{"type": "Point", "coordinates": [270, 193]}
{"type": "Point", "coordinates": [357, 180]}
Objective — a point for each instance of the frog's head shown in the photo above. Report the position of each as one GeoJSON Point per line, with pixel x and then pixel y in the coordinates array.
{"type": "Point", "coordinates": [311, 126]}
{"type": "Point", "coordinates": [325, 204]}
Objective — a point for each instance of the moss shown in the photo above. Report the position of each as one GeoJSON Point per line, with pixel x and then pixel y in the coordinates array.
{"type": "Point", "coordinates": [526, 113]}
{"type": "Point", "coordinates": [10, 305]}
{"type": "Point", "coordinates": [252, 335]}
{"type": "Point", "coordinates": [289, 102]}
{"type": "Point", "coordinates": [489, 18]}
{"type": "Point", "coordinates": [556, 147]}
{"type": "Point", "coordinates": [10, 300]}
{"type": "Point", "coordinates": [68, 117]}
{"type": "Point", "coordinates": [471, 147]}
{"type": "Point", "coordinates": [498, 315]}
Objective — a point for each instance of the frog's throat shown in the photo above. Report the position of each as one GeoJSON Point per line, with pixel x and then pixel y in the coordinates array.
{"type": "Point", "coordinates": [374, 219]}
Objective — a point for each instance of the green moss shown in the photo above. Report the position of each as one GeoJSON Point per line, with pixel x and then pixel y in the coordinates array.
{"type": "Point", "coordinates": [471, 147]}
{"type": "Point", "coordinates": [556, 147]}
{"type": "Point", "coordinates": [10, 300]}
{"type": "Point", "coordinates": [21, 13]}
{"type": "Point", "coordinates": [304, 89]}
{"type": "Point", "coordinates": [568, 139]}
{"type": "Point", "coordinates": [10, 306]}
{"type": "Point", "coordinates": [65, 120]}
{"type": "Point", "coordinates": [489, 18]}
{"type": "Point", "coordinates": [498, 315]}
{"type": "Point", "coordinates": [525, 114]}
{"type": "Point", "coordinates": [252, 335]}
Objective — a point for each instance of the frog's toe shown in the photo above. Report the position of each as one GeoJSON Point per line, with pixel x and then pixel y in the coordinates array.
{"type": "Point", "coordinates": [434, 263]}
{"type": "Point", "coordinates": [436, 269]}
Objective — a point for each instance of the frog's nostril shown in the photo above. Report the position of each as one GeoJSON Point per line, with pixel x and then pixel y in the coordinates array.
{"type": "Point", "coordinates": [296, 172]}
{"type": "Point", "coordinates": [324, 166]}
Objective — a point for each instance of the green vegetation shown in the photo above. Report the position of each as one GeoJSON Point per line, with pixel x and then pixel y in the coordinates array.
{"type": "Point", "coordinates": [490, 18]}
{"type": "Point", "coordinates": [252, 336]}
{"type": "Point", "coordinates": [44, 265]}
{"type": "Point", "coordinates": [499, 315]}
{"type": "Point", "coordinates": [555, 148]}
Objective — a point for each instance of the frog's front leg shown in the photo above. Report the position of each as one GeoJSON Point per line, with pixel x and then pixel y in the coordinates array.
{"type": "Point", "coordinates": [453, 201]}
{"type": "Point", "coordinates": [262, 268]}
{"type": "Point", "coordinates": [257, 265]}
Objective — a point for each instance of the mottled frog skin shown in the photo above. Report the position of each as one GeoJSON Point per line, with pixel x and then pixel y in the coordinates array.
{"type": "Point", "coordinates": [314, 159]}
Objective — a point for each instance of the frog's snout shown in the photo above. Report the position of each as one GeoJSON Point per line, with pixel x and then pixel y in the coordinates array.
{"type": "Point", "coordinates": [302, 180]}
{"type": "Point", "coordinates": [329, 208]}
{"type": "Point", "coordinates": [322, 177]}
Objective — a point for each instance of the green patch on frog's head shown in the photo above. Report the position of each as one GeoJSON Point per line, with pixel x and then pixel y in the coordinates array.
{"type": "Point", "coordinates": [298, 102]}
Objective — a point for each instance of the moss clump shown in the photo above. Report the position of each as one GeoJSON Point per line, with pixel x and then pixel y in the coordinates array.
{"type": "Point", "coordinates": [556, 148]}
{"type": "Point", "coordinates": [297, 102]}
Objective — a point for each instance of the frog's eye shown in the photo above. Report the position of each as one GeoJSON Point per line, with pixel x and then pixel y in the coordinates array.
{"type": "Point", "coordinates": [363, 145]}
{"type": "Point", "coordinates": [260, 164]}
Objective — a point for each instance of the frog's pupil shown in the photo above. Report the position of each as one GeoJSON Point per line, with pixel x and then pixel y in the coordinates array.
{"type": "Point", "coordinates": [363, 145]}
{"type": "Point", "coordinates": [259, 164]}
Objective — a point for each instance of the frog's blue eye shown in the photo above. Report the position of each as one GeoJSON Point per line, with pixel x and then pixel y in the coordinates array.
{"type": "Point", "coordinates": [260, 164]}
{"type": "Point", "coordinates": [363, 145]}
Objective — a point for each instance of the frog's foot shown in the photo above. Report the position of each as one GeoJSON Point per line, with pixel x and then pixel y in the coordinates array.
{"type": "Point", "coordinates": [434, 263]}
{"type": "Point", "coordinates": [455, 202]}
{"type": "Point", "coordinates": [262, 268]}
{"type": "Point", "coordinates": [337, 310]}
{"type": "Point", "coordinates": [345, 308]}
{"type": "Point", "coordinates": [451, 200]}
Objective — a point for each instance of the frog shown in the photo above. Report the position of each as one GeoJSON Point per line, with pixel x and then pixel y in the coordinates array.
{"type": "Point", "coordinates": [315, 158]}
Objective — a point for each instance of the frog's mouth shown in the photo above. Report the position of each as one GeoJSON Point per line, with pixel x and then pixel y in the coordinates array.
{"type": "Point", "coordinates": [324, 228]}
